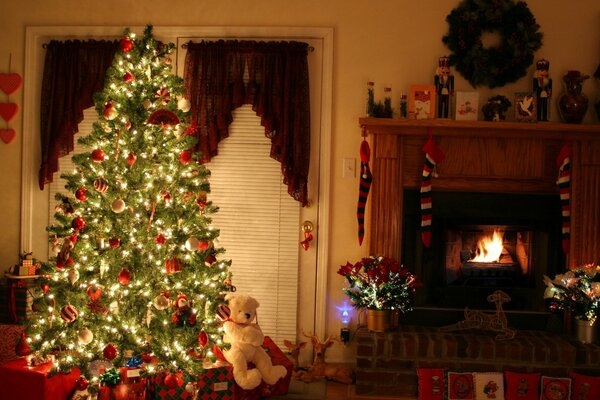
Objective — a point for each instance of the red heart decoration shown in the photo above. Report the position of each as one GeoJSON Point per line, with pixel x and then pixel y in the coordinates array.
{"type": "Point", "coordinates": [8, 111]}
{"type": "Point", "coordinates": [7, 135]}
{"type": "Point", "coordinates": [10, 83]}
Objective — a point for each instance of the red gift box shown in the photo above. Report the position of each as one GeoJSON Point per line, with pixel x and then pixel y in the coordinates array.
{"type": "Point", "coordinates": [263, 390]}
{"type": "Point", "coordinates": [124, 391]}
{"type": "Point", "coordinates": [216, 383]}
{"type": "Point", "coordinates": [21, 382]}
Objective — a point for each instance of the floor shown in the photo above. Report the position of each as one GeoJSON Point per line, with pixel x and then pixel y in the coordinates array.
{"type": "Point", "coordinates": [323, 390]}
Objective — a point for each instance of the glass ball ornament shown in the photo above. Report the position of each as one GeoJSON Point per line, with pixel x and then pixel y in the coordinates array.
{"type": "Point", "coordinates": [85, 336]}
{"type": "Point", "coordinates": [118, 206]}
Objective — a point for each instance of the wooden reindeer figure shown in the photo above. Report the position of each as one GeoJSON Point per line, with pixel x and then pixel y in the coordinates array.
{"type": "Point", "coordinates": [294, 351]}
{"type": "Point", "coordinates": [321, 369]}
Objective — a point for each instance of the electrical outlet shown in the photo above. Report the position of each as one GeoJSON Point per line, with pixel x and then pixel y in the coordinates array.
{"type": "Point", "coordinates": [349, 170]}
{"type": "Point", "coordinates": [345, 335]}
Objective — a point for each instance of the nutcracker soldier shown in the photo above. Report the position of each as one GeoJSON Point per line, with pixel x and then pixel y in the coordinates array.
{"type": "Point", "coordinates": [542, 86]}
{"type": "Point", "coordinates": [444, 85]}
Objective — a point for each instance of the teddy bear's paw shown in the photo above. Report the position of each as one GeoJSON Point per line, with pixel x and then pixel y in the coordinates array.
{"type": "Point", "coordinates": [248, 379]}
{"type": "Point", "coordinates": [277, 372]}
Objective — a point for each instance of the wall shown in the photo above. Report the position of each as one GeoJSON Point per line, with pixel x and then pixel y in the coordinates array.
{"type": "Point", "coordinates": [387, 41]}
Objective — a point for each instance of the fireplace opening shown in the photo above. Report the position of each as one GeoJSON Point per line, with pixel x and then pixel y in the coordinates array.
{"type": "Point", "coordinates": [480, 243]}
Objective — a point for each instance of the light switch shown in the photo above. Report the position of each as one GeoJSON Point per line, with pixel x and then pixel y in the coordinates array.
{"type": "Point", "coordinates": [349, 168]}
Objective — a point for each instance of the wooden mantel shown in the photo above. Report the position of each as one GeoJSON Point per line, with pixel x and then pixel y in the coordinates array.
{"type": "Point", "coordinates": [481, 156]}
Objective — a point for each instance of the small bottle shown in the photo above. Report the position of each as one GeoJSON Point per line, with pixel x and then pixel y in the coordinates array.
{"type": "Point", "coordinates": [403, 105]}
{"type": "Point", "coordinates": [387, 101]}
{"type": "Point", "coordinates": [370, 98]}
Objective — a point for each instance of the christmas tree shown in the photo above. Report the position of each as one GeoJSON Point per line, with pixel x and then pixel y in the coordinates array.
{"type": "Point", "coordinates": [136, 279]}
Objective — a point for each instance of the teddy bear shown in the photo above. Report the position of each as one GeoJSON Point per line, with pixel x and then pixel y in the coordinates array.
{"type": "Point", "coordinates": [246, 339]}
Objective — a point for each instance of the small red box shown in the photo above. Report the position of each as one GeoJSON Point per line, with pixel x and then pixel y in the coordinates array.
{"type": "Point", "coordinates": [22, 382]}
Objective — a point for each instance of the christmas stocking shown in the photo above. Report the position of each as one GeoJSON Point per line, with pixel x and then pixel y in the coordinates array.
{"type": "Point", "coordinates": [363, 190]}
{"type": "Point", "coordinates": [563, 162]}
{"type": "Point", "coordinates": [433, 156]}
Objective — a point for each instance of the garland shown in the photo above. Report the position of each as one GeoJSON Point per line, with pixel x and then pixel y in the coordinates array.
{"type": "Point", "coordinates": [494, 66]}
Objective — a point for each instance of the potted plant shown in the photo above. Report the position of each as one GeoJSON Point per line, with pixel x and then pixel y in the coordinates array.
{"type": "Point", "coordinates": [578, 292]}
{"type": "Point", "coordinates": [380, 285]}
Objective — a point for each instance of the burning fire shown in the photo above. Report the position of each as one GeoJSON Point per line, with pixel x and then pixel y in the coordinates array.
{"type": "Point", "coordinates": [489, 248]}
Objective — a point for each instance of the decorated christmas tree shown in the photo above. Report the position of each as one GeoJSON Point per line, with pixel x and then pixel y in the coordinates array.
{"type": "Point", "coordinates": [136, 279]}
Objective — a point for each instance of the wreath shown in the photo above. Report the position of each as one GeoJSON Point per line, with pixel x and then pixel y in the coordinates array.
{"type": "Point", "coordinates": [494, 66]}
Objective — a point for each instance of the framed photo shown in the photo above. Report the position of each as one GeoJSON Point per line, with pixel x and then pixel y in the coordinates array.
{"type": "Point", "coordinates": [525, 107]}
{"type": "Point", "coordinates": [467, 106]}
{"type": "Point", "coordinates": [421, 102]}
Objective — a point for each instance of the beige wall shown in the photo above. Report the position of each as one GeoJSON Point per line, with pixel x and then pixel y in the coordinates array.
{"type": "Point", "coordinates": [387, 41]}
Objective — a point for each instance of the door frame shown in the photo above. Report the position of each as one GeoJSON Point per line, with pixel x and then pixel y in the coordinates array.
{"type": "Point", "coordinates": [34, 213]}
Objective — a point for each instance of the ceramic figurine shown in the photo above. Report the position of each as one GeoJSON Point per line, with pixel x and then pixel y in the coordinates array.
{"type": "Point", "coordinates": [444, 85]}
{"type": "Point", "coordinates": [542, 86]}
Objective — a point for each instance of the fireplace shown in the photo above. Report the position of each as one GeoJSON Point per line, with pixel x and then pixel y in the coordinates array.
{"type": "Point", "coordinates": [454, 271]}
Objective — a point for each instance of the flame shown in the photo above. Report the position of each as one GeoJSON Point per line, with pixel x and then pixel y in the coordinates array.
{"type": "Point", "coordinates": [489, 248]}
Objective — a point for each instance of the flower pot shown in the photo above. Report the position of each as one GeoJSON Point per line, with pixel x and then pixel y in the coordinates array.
{"type": "Point", "coordinates": [378, 320]}
{"type": "Point", "coordinates": [584, 332]}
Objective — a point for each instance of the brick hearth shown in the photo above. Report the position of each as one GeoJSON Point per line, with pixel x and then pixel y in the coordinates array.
{"type": "Point", "coordinates": [387, 362]}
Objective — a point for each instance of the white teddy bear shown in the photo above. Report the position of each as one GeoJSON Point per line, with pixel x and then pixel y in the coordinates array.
{"type": "Point", "coordinates": [246, 339]}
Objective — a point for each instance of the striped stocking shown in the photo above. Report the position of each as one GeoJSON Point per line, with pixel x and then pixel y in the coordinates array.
{"type": "Point", "coordinates": [363, 190]}
{"type": "Point", "coordinates": [433, 156]}
{"type": "Point", "coordinates": [563, 162]}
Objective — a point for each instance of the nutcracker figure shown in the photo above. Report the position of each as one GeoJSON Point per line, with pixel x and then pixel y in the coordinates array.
{"type": "Point", "coordinates": [444, 85]}
{"type": "Point", "coordinates": [542, 86]}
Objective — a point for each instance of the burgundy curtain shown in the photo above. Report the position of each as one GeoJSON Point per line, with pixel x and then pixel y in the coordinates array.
{"type": "Point", "coordinates": [276, 84]}
{"type": "Point", "coordinates": [73, 72]}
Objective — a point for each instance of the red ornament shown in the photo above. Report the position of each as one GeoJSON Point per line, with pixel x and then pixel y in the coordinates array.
{"type": "Point", "coordinates": [160, 240]}
{"type": "Point", "coordinates": [128, 77]}
{"type": "Point", "coordinates": [173, 265]}
{"type": "Point", "coordinates": [110, 351]}
{"type": "Point", "coordinates": [147, 358]}
{"type": "Point", "coordinates": [68, 313]}
{"type": "Point", "coordinates": [81, 383]}
{"type": "Point", "coordinates": [94, 292]}
{"type": "Point", "coordinates": [73, 239]}
{"type": "Point", "coordinates": [45, 288]}
{"type": "Point", "coordinates": [109, 112]}
{"type": "Point", "coordinates": [202, 339]}
{"type": "Point", "coordinates": [126, 45]}
{"type": "Point", "coordinates": [218, 353]}
{"type": "Point", "coordinates": [203, 245]}
{"type": "Point", "coordinates": [98, 155]}
{"type": "Point", "coordinates": [100, 183]}
{"type": "Point", "coordinates": [69, 261]}
{"type": "Point", "coordinates": [78, 223]}
{"type": "Point", "coordinates": [171, 381]}
{"type": "Point", "coordinates": [223, 312]}
{"type": "Point", "coordinates": [114, 242]}
{"type": "Point", "coordinates": [124, 276]}
{"type": "Point", "coordinates": [185, 157]}
{"type": "Point", "coordinates": [163, 96]}
{"type": "Point", "coordinates": [80, 194]}
{"type": "Point", "coordinates": [210, 260]}
{"type": "Point", "coordinates": [131, 158]}
{"type": "Point", "coordinates": [163, 117]}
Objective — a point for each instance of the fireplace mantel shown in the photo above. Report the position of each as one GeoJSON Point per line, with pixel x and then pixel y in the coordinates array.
{"type": "Point", "coordinates": [490, 157]}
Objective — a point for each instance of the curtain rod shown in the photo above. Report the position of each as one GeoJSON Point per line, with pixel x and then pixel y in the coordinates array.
{"type": "Point", "coordinates": [310, 48]}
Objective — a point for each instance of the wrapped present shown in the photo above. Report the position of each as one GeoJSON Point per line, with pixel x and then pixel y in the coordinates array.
{"type": "Point", "coordinates": [22, 382]}
{"type": "Point", "coordinates": [216, 382]}
{"type": "Point", "coordinates": [16, 299]}
{"type": "Point", "coordinates": [166, 387]}
{"type": "Point", "coordinates": [124, 391]}
{"type": "Point", "coordinates": [263, 390]}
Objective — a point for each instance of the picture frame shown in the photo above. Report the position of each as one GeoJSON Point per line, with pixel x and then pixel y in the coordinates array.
{"type": "Point", "coordinates": [467, 106]}
{"type": "Point", "coordinates": [421, 102]}
{"type": "Point", "coordinates": [525, 107]}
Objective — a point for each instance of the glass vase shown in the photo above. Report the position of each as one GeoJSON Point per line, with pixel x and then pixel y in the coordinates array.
{"type": "Point", "coordinates": [573, 103]}
{"type": "Point", "coordinates": [585, 332]}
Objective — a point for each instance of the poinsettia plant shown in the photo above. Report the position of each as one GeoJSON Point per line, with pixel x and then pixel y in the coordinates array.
{"type": "Point", "coordinates": [577, 291]}
{"type": "Point", "coordinates": [379, 283]}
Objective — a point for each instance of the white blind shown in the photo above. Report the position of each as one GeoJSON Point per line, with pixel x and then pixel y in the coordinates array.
{"type": "Point", "coordinates": [259, 223]}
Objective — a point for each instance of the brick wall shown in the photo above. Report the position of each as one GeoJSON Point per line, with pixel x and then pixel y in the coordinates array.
{"type": "Point", "coordinates": [387, 363]}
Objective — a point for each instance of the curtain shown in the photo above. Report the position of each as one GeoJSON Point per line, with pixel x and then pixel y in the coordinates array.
{"type": "Point", "coordinates": [73, 71]}
{"type": "Point", "coordinates": [222, 75]}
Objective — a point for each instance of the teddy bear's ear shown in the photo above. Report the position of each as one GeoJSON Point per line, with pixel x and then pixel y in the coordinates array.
{"type": "Point", "coordinates": [256, 303]}
{"type": "Point", "coordinates": [229, 296]}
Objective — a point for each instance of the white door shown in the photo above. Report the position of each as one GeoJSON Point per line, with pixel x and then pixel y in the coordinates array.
{"type": "Point", "coordinates": [259, 223]}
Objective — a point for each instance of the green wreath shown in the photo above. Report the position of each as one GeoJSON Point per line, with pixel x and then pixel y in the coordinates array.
{"type": "Point", "coordinates": [494, 66]}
